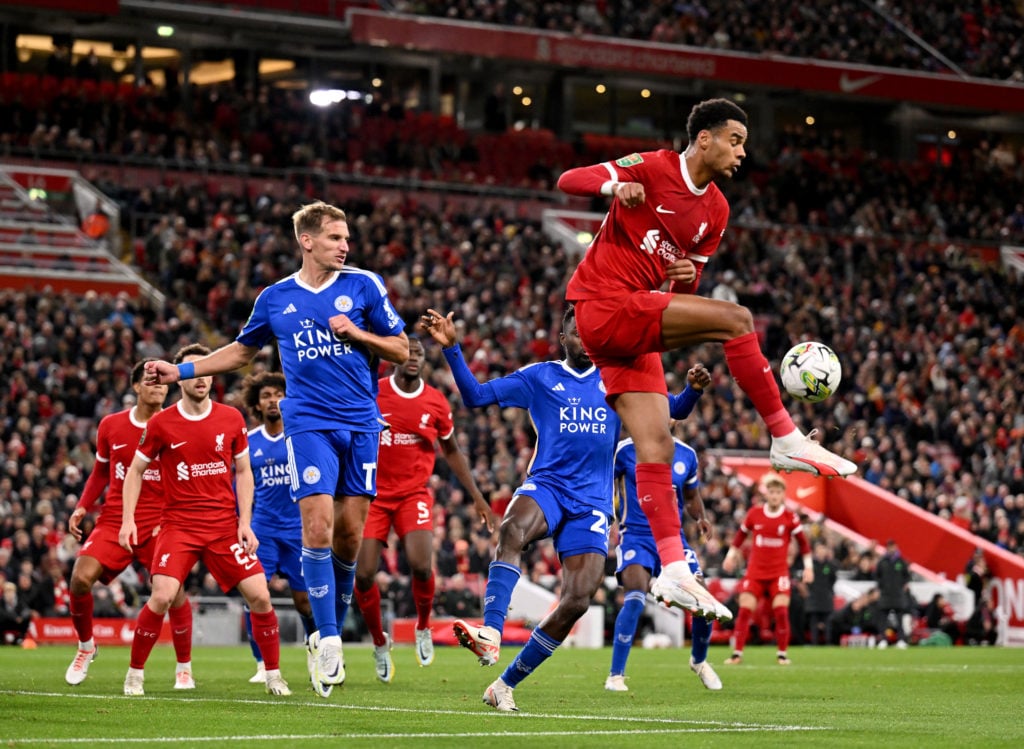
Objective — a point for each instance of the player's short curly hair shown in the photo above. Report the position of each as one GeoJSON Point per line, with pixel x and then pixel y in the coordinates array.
{"type": "Point", "coordinates": [711, 114]}
{"type": "Point", "coordinates": [310, 218]}
{"type": "Point", "coordinates": [140, 369]}
{"type": "Point", "coordinates": [192, 349]}
{"type": "Point", "coordinates": [252, 385]}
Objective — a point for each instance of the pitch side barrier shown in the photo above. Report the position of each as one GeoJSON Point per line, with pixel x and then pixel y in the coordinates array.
{"type": "Point", "coordinates": [931, 544]}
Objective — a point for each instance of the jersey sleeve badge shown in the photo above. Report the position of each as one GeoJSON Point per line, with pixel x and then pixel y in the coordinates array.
{"type": "Point", "coordinates": [632, 160]}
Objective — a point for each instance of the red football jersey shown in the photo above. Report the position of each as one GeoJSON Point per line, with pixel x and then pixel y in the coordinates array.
{"type": "Point", "coordinates": [770, 541]}
{"type": "Point", "coordinates": [198, 456]}
{"type": "Point", "coordinates": [116, 441]}
{"type": "Point", "coordinates": [406, 457]}
{"type": "Point", "coordinates": [635, 245]}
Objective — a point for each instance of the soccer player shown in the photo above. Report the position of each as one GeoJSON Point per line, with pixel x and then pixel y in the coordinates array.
{"type": "Point", "coordinates": [417, 415]}
{"type": "Point", "coordinates": [637, 554]}
{"type": "Point", "coordinates": [333, 323]}
{"type": "Point", "coordinates": [566, 495]}
{"type": "Point", "coordinates": [101, 558]}
{"type": "Point", "coordinates": [666, 219]}
{"type": "Point", "coordinates": [275, 517]}
{"type": "Point", "coordinates": [200, 442]}
{"type": "Point", "coordinates": [772, 528]}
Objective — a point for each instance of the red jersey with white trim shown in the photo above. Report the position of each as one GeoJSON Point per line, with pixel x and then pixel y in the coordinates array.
{"type": "Point", "coordinates": [770, 541]}
{"type": "Point", "coordinates": [117, 438]}
{"type": "Point", "coordinates": [406, 457]}
{"type": "Point", "coordinates": [197, 454]}
{"type": "Point", "coordinates": [635, 245]}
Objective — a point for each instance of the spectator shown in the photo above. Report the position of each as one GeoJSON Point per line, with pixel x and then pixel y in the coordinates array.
{"type": "Point", "coordinates": [15, 616]}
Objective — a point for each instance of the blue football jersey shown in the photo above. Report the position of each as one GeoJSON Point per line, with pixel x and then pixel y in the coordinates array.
{"type": "Point", "coordinates": [685, 475]}
{"type": "Point", "coordinates": [273, 508]}
{"type": "Point", "coordinates": [576, 429]}
{"type": "Point", "coordinates": [332, 384]}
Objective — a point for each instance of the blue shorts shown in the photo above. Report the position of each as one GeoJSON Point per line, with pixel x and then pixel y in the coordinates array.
{"type": "Point", "coordinates": [577, 526]}
{"type": "Point", "coordinates": [340, 463]}
{"type": "Point", "coordinates": [281, 553]}
{"type": "Point", "coordinates": [640, 548]}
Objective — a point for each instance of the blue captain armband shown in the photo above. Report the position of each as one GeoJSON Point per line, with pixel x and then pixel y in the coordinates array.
{"type": "Point", "coordinates": [186, 370]}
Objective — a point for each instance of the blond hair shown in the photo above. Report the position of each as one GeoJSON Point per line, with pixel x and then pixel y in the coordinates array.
{"type": "Point", "coordinates": [771, 479]}
{"type": "Point", "coordinates": [310, 218]}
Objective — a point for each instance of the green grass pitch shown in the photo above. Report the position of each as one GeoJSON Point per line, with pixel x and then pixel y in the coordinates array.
{"type": "Point", "coordinates": [829, 697]}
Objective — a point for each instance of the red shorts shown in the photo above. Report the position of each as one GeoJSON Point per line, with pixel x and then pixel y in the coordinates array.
{"type": "Point", "coordinates": [178, 550]}
{"type": "Point", "coordinates": [765, 587]}
{"type": "Point", "coordinates": [410, 513]}
{"type": "Point", "coordinates": [102, 546]}
{"type": "Point", "coordinates": [622, 336]}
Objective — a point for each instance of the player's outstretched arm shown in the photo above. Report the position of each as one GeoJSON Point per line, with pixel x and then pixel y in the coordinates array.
{"type": "Point", "coordinates": [442, 329]}
{"type": "Point", "coordinates": [225, 359]}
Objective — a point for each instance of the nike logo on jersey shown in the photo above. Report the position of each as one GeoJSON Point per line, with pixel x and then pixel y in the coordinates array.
{"type": "Point", "coordinates": [804, 491]}
{"type": "Point", "coordinates": [118, 447]}
{"type": "Point", "coordinates": [767, 369]}
{"type": "Point", "coordinates": [176, 445]}
{"type": "Point", "coordinates": [251, 565]}
{"type": "Point", "coordinates": [289, 309]}
{"type": "Point", "coordinates": [662, 209]}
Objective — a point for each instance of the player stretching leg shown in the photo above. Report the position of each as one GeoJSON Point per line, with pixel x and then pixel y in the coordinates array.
{"type": "Point", "coordinates": [666, 220]}
{"type": "Point", "coordinates": [417, 415]}
{"type": "Point", "coordinates": [101, 557]}
{"type": "Point", "coordinates": [637, 554]}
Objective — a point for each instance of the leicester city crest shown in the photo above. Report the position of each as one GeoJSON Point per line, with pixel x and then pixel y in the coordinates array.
{"type": "Point", "coordinates": [343, 304]}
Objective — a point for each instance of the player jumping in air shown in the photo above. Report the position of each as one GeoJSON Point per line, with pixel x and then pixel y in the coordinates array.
{"type": "Point", "coordinates": [666, 220]}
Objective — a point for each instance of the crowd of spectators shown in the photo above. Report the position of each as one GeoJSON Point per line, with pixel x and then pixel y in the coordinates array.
{"type": "Point", "coordinates": [978, 37]}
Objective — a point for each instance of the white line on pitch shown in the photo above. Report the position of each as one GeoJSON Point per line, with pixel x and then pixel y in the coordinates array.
{"type": "Point", "coordinates": [703, 725]}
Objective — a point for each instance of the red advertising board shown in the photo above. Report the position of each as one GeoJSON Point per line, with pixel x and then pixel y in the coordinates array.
{"type": "Point", "coordinates": [648, 58]}
{"type": "Point", "coordinates": [60, 631]}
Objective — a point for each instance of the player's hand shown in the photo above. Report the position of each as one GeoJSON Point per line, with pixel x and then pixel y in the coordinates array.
{"type": "Point", "coordinates": [808, 576]}
{"type": "Point", "coordinates": [704, 527]}
{"type": "Point", "coordinates": [156, 532]}
{"type": "Point", "coordinates": [440, 327]}
{"type": "Point", "coordinates": [729, 563]}
{"type": "Point", "coordinates": [698, 377]}
{"type": "Point", "coordinates": [630, 194]}
{"type": "Point", "coordinates": [485, 512]}
{"type": "Point", "coordinates": [681, 271]}
{"type": "Point", "coordinates": [128, 536]}
{"type": "Point", "coordinates": [247, 539]}
{"type": "Point", "coordinates": [160, 373]}
{"type": "Point", "coordinates": [74, 523]}
{"type": "Point", "coordinates": [344, 329]}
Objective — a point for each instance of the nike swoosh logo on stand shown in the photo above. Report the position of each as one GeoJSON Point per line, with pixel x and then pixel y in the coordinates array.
{"type": "Point", "coordinates": [850, 85]}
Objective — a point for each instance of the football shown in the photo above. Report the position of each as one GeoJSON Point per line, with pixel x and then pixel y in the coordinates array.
{"type": "Point", "coordinates": [810, 371]}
